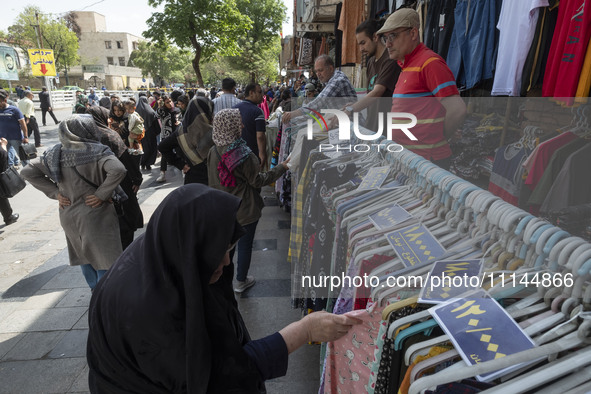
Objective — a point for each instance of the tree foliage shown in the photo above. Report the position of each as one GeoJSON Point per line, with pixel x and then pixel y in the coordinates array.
{"type": "Point", "coordinates": [55, 35]}
{"type": "Point", "coordinates": [221, 67]}
{"type": "Point", "coordinates": [206, 26]}
{"type": "Point", "coordinates": [162, 62]}
{"type": "Point", "coordinates": [261, 46]}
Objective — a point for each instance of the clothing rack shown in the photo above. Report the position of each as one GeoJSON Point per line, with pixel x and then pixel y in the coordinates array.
{"type": "Point", "coordinates": [469, 223]}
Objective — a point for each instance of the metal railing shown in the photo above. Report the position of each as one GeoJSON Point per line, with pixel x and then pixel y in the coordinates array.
{"type": "Point", "coordinates": [61, 99]}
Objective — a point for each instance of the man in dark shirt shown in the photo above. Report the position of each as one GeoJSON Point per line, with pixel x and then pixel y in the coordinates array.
{"type": "Point", "coordinates": [382, 75]}
{"type": "Point", "coordinates": [253, 120]}
{"type": "Point", "coordinates": [105, 101]}
{"type": "Point", "coordinates": [46, 105]}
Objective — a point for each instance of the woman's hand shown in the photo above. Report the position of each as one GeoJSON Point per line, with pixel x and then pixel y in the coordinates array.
{"type": "Point", "coordinates": [316, 327]}
{"type": "Point", "coordinates": [93, 201]}
{"type": "Point", "coordinates": [63, 201]}
{"type": "Point", "coordinates": [284, 164]}
{"type": "Point", "coordinates": [186, 168]}
{"type": "Point", "coordinates": [326, 327]}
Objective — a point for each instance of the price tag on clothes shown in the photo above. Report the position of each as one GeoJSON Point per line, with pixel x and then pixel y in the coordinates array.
{"type": "Point", "coordinates": [450, 279]}
{"type": "Point", "coordinates": [374, 178]}
{"type": "Point", "coordinates": [481, 330]}
{"type": "Point", "coordinates": [389, 217]}
{"type": "Point", "coordinates": [415, 244]}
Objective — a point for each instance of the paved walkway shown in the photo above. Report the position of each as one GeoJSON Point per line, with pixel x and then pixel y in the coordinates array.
{"type": "Point", "coordinates": [44, 301]}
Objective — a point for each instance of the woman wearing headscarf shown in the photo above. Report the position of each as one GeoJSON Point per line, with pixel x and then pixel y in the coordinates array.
{"type": "Point", "coordinates": [187, 148]}
{"type": "Point", "coordinates": [164, 319]}
{"type": "Point", "coordinates": [149, 143]}
{"type": "Point", "coordinates": [170, 119]}
{"type": "Point", "coordinates": [234, 168]}
{"type": "Point", "coordinates": [81, 174]}
{"type": "Point", "coordinates": [132, 217]}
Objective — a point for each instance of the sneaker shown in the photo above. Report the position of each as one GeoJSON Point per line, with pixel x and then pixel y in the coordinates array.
{"type": "Point", "coordinates": [12, 219]}
{"type": "Point", "coordinates": [162, 177]}
{"type": "Point", "coordinates": [243, 285]}
{"type": "Point", "coordinates": [38, 145]}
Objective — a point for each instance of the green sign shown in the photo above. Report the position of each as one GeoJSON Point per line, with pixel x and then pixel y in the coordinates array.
{"type": "Point", "coordinates": [94, 68]}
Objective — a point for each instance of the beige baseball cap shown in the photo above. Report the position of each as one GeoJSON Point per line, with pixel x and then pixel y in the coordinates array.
{"type": "Point", "coordinates": [404, 17]}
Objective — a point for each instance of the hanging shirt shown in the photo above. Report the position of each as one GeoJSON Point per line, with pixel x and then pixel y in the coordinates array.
{"type": "Point", "coordinates": [349, 359]}
{"type": "Point", "coordinates": [567, 52]}
{"type": "Point", "coordinates": [518, 20]}
{"type": "Point", "coordinates": [505, 179]}
{"type": "Point", "coordinates": [544, 154]}
{"type": "Point", "coordinates": [572, 186]}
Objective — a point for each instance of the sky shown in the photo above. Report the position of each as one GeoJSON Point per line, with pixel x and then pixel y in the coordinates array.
{"type": "Point", "coordinates": [127, 16]}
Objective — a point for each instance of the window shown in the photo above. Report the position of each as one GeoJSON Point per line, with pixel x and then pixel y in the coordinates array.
{"type": "Point", "coordinates": [110, 60]}
{"type": "Point", "coordinates": [122, 61]}
{"type": "Point", "coordinates": [108, 44]}
{"type": "Point", "coordinates": [119, 44]}
{"type": "Point", "coordinates": [135, 46]}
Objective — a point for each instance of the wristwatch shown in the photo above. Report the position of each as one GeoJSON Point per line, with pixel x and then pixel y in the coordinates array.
{"type": "Point", "coordinates": [349, 109]}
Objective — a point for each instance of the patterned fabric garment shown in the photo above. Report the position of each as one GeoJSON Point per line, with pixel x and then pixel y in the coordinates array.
{"type": "Point", "coordinates": [236, 154]}
{"type": "Point", "coordinates": [386, 356]}
{"type": "Point", "coordinates": [348, 359]}
{"type": "Point", "coordinates": [306, 46]}
{"type": "Point", "coordinates": [227, 127]}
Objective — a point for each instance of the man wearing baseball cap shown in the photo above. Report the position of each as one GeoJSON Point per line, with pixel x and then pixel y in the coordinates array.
{"type": "Point", "coordinates": [426, 88]}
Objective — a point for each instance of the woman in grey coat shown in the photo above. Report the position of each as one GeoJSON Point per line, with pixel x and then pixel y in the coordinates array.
{"type": "Point", "coordinates": [65, 173]}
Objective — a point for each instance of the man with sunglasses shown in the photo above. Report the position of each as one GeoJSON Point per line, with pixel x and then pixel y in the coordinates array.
{"type": "Point", "coordinates": [426, 88]}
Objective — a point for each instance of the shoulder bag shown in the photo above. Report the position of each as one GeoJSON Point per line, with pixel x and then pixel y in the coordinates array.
{"type": "Point", "coordinates": [11, 183]}
{"type": "Point", "coordinates": [27, 151]}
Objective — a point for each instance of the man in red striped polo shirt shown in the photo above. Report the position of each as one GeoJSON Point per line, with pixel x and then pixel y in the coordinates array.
{"type": "Point", "coordinates": [426, 88]}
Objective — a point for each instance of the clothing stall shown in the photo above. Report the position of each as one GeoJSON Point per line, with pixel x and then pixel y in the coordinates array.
{"type": "Point", "coordinates": [514, 212]}
{"type": "Point", "coordinates": [420, 216]}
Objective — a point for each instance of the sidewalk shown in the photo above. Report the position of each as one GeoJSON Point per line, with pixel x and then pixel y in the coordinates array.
{"type": "Point", "coordinates": [44, 301]}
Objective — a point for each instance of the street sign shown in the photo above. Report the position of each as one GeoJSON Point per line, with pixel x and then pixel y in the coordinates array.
{"type": "Point", "coordinates": [42, 62]}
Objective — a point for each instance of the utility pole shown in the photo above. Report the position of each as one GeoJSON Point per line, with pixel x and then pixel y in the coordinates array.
{"type": "Point", "coordinates": [40, 43]}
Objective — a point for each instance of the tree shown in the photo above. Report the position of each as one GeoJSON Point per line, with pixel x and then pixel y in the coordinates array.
{"type": "Point", "coordinates": [221, 67]}
{"type": "Point", "coordinates": [162, 62]}
{"type": "Point", "coordinates": [55, 35]}
{"type": "Point", "coordinates": [206, 26]}
{"type": "Point", "coordinates": [261, 46]}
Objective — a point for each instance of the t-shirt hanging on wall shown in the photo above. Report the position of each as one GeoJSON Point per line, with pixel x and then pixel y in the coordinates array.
{"type": "Point", "coordinates": [517, 25]}
{"type": "Point", "coordinates": [568, 49]}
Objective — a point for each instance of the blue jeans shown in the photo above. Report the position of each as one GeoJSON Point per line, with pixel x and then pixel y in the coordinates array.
{"type": "Point", "coordinates": [13, 146]}
{"type": "Point", "coordinates": [91, 275]}
{"type": "Point", "coordinates": [245, 251]}
{"type": "Point", "coordinates": [471, 55]}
